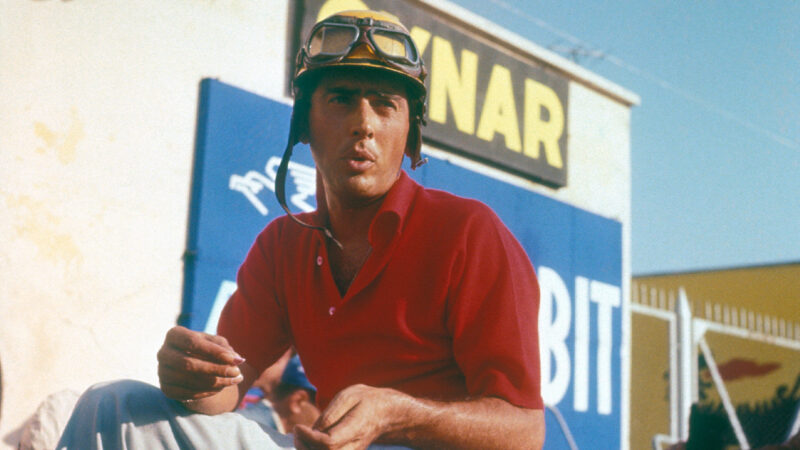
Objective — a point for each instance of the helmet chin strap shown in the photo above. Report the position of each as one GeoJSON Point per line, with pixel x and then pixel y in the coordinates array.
{"type": "Point", "coordinates": [421, 162]}
{"type": "Point", "coordinates": [280, 184]}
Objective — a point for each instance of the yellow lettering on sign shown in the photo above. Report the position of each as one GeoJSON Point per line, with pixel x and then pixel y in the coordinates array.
{"type": "Point", "coordinates": [499, 113]}
{"type": "Point", "coordinates": [421, 37]}
{"type": "Point", "coordinates": [448, 82]}
{"type": "Point", "coordinates": [537, 128]}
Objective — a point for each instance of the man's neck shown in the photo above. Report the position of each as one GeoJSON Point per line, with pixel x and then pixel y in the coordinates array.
{"type": "Point", "coordinates": [350, 226]}
{"type": "Point", "coordinates": [350, 223]}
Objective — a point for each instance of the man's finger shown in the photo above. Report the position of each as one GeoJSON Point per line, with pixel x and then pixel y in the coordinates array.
{"type": "Point", "coordinates": [306, 438]}
{"type": "Point", "coordinates": [337, 409]}
{"type": "Point", "coordinates": [202, 345]}
{"type": "Point", "coordinates": [219, 340]}
{"type": "Point", "coordinates": [183, 388]}
{"type": "Point", "coordinates": [196, 381]}
{"type": "Point", "coordinates": [351, 431]}
{"type": "Point", "coordinates": [172, 358]}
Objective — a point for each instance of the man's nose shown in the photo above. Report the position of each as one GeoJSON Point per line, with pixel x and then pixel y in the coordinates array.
{"type": "Point", "coordinates": [362, 120]}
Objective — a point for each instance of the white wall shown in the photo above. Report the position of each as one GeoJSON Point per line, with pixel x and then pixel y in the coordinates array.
{"type": "Point", "coordinates": [98, 104]}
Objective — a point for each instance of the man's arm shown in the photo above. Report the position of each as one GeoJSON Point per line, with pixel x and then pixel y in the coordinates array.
{"type": "Point", "coordinates": [360, 415]}
{"type": "Point", "coordinates": [202, 371]}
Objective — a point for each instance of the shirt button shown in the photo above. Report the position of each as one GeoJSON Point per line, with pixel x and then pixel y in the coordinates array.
{"type": "Point", "coordinates": [319, 260]}
{"type": "Point", "coordinates": [331, 310]}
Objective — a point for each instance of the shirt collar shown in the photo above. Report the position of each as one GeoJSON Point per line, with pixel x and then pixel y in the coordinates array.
{"type": "Point", "coordinates": [392, 214]}
{"type": "Point", "coordinates": [389, 219]}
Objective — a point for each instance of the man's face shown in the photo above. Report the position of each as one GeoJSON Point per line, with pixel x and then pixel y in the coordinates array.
{"type": "Point", "coordinates": [358, 127]}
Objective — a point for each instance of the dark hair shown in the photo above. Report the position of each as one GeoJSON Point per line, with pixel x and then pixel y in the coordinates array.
{"type": "Point", "coordinates": [283, 390]}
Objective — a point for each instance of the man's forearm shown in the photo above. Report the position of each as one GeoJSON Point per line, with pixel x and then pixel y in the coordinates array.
{"type": "Point", "coordinates": [360, 415]}
{"type": "Point", "coordinates": [480, 423]}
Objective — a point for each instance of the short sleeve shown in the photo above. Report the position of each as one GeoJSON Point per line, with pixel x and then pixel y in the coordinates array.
{"type": "Point", "coordinates": [253, 320]}
{"type": "Point", "coordinates": [493, 313]}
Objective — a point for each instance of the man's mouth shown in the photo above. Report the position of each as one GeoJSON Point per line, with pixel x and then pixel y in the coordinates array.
{"type": "Point", "coordinates": [359, 160]}
{"type": "Point", "coordinates": [359, 163]}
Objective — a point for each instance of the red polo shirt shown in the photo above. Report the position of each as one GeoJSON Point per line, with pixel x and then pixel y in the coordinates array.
{"type": "Point", "coordinates": [445, 307]}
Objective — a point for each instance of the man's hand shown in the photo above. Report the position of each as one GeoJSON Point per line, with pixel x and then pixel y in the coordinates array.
{"type": "Point", "coordinates": [194, 365]}
{"type": "Point", "coordinates": [355, 418]}
{"type": "Point", "coordinates": [361, 415]}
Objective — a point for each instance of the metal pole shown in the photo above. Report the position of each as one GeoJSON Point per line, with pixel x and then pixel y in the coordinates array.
{"type": "Point", "coordinates": [686, 378]}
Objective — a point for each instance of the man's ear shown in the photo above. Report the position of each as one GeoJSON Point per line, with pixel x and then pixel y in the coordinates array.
{"type": "Point", "coordinates": [296, 400]}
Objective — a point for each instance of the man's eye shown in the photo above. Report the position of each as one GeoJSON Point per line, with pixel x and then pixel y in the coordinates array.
{"type": "Point", "coordinates": [340, 99]}
{"type": "Point", "coordinates": [385, 103]}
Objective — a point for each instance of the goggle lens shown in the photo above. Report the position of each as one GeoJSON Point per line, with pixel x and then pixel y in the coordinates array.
{"type": "Point", "coordinates": [331, 40]}
{"type": "Point", "coordinates": [393, 44]}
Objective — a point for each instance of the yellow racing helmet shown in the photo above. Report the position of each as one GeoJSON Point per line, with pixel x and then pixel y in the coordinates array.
{"type": "Point", "coordinates": [361, 39]}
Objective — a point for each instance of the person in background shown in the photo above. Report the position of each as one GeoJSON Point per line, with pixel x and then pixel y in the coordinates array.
{"type": "Point", "coordinates": [291, 402]}
{"type": "Point", "coordinates": [265, 384]}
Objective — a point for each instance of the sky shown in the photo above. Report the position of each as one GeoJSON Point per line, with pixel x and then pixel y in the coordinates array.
{"type": "Point", "coordinates": [715, 142]}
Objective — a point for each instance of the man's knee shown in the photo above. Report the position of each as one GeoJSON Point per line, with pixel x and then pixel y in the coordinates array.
{"type": "Point", "coordinates": [118, 390]}
{"type": "Point", "coordinates": [126, 400]}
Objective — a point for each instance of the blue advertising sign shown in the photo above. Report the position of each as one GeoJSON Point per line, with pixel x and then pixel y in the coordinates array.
{"type": "Point", "coordinates": [577, 254]}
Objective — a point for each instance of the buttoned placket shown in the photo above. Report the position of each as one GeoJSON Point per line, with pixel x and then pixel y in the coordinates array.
{"type": "Point", "coordinates": [381, 251]}
{"type": "Point", "coordinates": [320, 263]}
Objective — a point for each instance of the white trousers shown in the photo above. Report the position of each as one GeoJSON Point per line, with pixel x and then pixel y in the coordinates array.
{"type": "Point", "coordinates": [134, 415]}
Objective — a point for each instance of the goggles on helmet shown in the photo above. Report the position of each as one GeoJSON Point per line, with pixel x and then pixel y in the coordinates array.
{"type": "Point", "coordinates": [335, 38]}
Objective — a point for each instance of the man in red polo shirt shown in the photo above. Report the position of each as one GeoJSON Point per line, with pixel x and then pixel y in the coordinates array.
{"type": "Point", "coordinates": [414, 311]}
